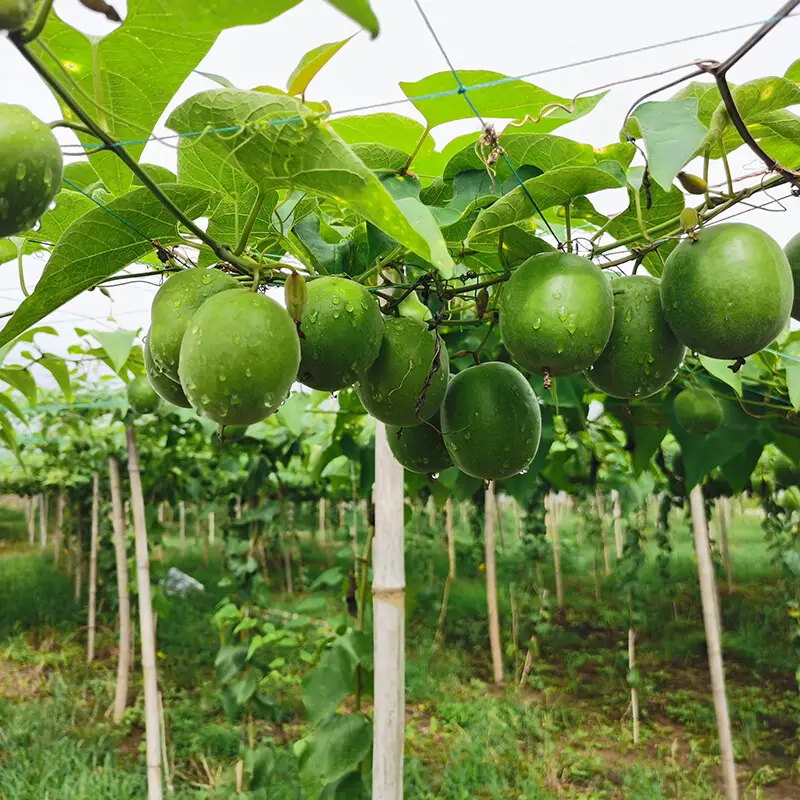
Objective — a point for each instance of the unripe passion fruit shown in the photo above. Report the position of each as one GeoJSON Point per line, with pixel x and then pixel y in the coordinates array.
{"type": "Point", "coordinates": [174, 305]}
{"type": "Point", "coordinates": [698, 411]}
{"type": "Point", "coordinates": [556, 314]}
{"type": "Point", "coordinates": [491, 421]}
{"type": "Point", "coordinates": [30, 169]}
{"type": "Point", "coordinates": [728, 293]}
{"type": "Point", "coordinates": [787, 473]}
{"type": "Point", "coordinates": [391, 388]}
{"type": "Point", "coordinates": [643, 354]}
{"type": "Point", "coordinates": [342, 328]}
{"type": "Point", "coordinates": [14, 14]}
{"type": "Point", "coordinates": [166, 388]}
{"type": "Point", "coordinates": [421, 448]}
{"type": "Point", "coordinates": [792, 251]}
{"type": "Point", "coordinates": [142, 396]}
{"type": "Point", "coordinates": [239, 357]}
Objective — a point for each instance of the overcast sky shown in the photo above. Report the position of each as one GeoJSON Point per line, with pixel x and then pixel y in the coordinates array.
{"type": "Point", "coordinates": [508, 36]}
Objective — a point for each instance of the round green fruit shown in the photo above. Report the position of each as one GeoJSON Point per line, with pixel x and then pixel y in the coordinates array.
{"type": "Point", "coordinates": [14, 14]}
{"type": "Point", "coordinates": [421, 448]}
{"type": "Point", "coordinates": [30, 169]}
{"type": "Point", "coordinates": [698, 411]}
{"type": "Point", "coordinates": [491, 421]}
{"type": "Point", "coordinates": [728, 293]}
{"type": "Point", "coordinates": [792, 251]}
{"type": "Point", "coordinates": [643, 354]}
{"type": "Point", "coordinates": [141, 396]}
{"type": "Point", "coordinates": [342, 328]}
{"type": "Point", "coordinates": [174, 306]}
{"type": "Point", "coordinates": [790, 499]}
{"type": "Point", "coordinates": [233, 433]}
{"type": "Point", "coordinates": [556, 314]}
{"type": "Point", "coordinates": [239, 357]}
{"type": "Point", "coordinates": [787, 473]}
{"type": "Point", "coordinates": [391, 388]}
{"type": "Point", "coordinates": [166, 388]}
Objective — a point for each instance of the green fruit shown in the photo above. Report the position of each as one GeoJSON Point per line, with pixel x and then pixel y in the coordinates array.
{"type": "Point", "coordinates": [14, 14]}
{"type": "Point", "coordinates": [239, 357]}
{"type": "Point", "coordinates": [790, 499]}
{"type": "Point", "coordinates": [787, 473]}
{"type": "Point", "coordinates": [174, 305]}
{"type": "Point", "coordinates": [233, 433]}
{"type": "Point", "coordinates": [166, 388]}
{"type": "Point", "coordinates": [30, 169]}
{"type": "Point", "coordinates": [491, 421]}
{"type": "Point", "coordinates": [141, 396]}
{"type": "Point", "coordinates": [391, 388]}
{"type": "Point", "coordinates": [342, 328]}
{"type": "Point", "coordinates": [792, 251]}
{"type": "Point", "coordinates": [693, 184]}
{"type": "Point", "coordinates": [643, 354]}
{"type": "Point", "coordinates": [698, 411]}
{"type": "Point", "coordinates": [729, 293]}
{"type": "Point", "coordinates": [421, 448]}
{"type": "Point", "coordinates": [556, 314]}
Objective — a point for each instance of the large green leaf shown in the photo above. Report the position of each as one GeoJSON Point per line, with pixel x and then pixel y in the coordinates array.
{"type": "Point", "coordinates": [558, 187]}
{"type": "Point", "coordinates": [99, 244]}
{"type": "Point", "coordinates": [393, 130]}
{"type": "Point", "coordinates": [720, 369]}
{"type": "Point", "coordinates": [21, 380]}
{"type": "Point", "coordinates": [117, 344]}
{"type": "Point", "coordinates": [337, 747]}
{"type": "Point", "coordinates": [359, 11]}
{"type": "Point", "coordinates": [542, 151]}
{"type": "Point", "coordinates": [284, 145]}
{"type": "Point", "coordinates": [135, 71]}
{"type": "Point", "coordinates": [311, 63]}
{"type": "Point", "coordinates": [510, 99]}
{"type": "Point", "coordinates": [672, 133]}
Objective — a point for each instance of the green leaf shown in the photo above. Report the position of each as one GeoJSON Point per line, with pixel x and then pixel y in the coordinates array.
{"type": "Point", "coordinates": [98, 245]}
{"type": "Point", "coordinates": [136, 70]}
{"type": "Point", "coordinates": [792, 367]}
{"type": "Point", "coordinates": [213, 76]}
{"type": "Point", "coordinates": [10, 405]}
{"type": "Point", "coordinates": [359, 11]}
{"type": "Point", "coordinates": [510, 99]}
{"type": "Point", "coordinates": [311, 63]}
{"type": "Point", "coordinates": [702, 454]}
{"type": "Point", "coordinates": [720, 369]}
{"type": "Point", "coordinates": [337, 747]}
{"type": "Point", "coordinates": [672, 133]}
{"type": "Point", "coordinates": [117, 344]}
{"type": "Point", "coordinates": [378, 156]}
{"type": "Point", "coordinates": [57, 367]}
{"type": "Point", "coordinates": [737, 470]}
{"type": "Point", "coordinates": [555, 188]}
{"type": "Point", "coordinates": [645, 427]}
{"type": "Point", "coordinates": [329, 683]}
{"type": "Point", "coordinates": [393, 130]}
{"type": "Point", "coordinates": [80, 174]}
{"type": "Point", "coordinates": [229, 662]}
{"type": "Point", "coordinates": [21, 380]}
{"type": "Point", "coordinates": [542, 151]}
{"type": "Point", "coordinates": [286, 146]}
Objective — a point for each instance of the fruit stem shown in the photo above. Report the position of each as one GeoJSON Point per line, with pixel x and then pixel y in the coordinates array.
{"type": "Point", "coordinates": [222, 252]}
{"type": "Point", "coordinates": [728, 176]}
{"type": "Point", "coordinates": [39, 23]}
{"type": "Point", "coordinates": [568, 226]}
{"type": "Point", "coordinates": [706, 160]}
{"type": "Point", "coordinates": [639, 218]}
{"type": "Point", "coordinates": [21, 272]}
{"type": "Point", "coordinates": [75, 126]}
{"type": "Point", "coordinates": [251, 220]}
{"type": "Point", "coordinates": [415, 151]}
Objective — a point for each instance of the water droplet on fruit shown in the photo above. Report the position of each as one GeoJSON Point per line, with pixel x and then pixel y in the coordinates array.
{"type": "Point", "coordinates": [556, 295]}
{"type": "Point", "coordinates": [205, 399]}
{"type": "Point", "coordinates": [335, 300]}
{"type": "Point", "coordinates": [467, 435]}
{"type": "Point", "coordinates": [22, 170]}
{"type": "Point", "coordinates": [562, 313]}
{"type": "Point", "coordinates": [571, 325]}
{"type": "Point", "coordinates": [628, 315]}
{"type": "Point", "coordinates": [537, 323]}
{"type": "Point", "coordinates": [348, 307]}
{"type": "Point", "coordinates": [206, 279]}
{"type": "Point", "coordinates": [650, 328]}
{"type": "Point", "coordinates": [336, 315]}
{"type": "Point", "coordinates": [560, 348]}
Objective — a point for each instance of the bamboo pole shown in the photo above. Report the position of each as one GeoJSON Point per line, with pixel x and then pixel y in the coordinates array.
{"type": "Point", "coordinates": [78, 559]}
{"type": "Point", "coordinates": [93, 565]}
{"type": "Point", "coordinates": [146, 632]}
{"type": "Point", "coordinates": [617, 522]}
{"type": "Point", "coordinates": [705, 572]}
{"type": "Point", "coordinates": [551, 524]}
{"type": "Point", "coordinates": [723, 516]}
{"type": "Point", "coordinates": [182, 525]}
{"type": "Point", "coordinates": [33, 502]}
{"type": "Point", "coordinates": [634, 691]}
{"type": "Point", "coordinates": [451, 574]}
{"type": "Point", "coordinates": [118, 522]}
{"type": "Point", "coordinates": [388, 599]}
{"type": "Point", "coordinates": [237, 509]}
{"type": "Point", "coordinates": [58, 539]}
{"type": "Point", "coordinates": [42, 520]}
{"type": "Point", "coordinates": [322, 519]}
{"type": "Point", "coordinates": [491, 584]}
{"type": "Point", "coordinates": [598, 498]}
{"type": "Point", "coordinates": [212, 520]}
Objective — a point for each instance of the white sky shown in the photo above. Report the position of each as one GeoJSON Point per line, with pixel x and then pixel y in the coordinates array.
{"type": "Point", "coordinates": [508, 36]}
